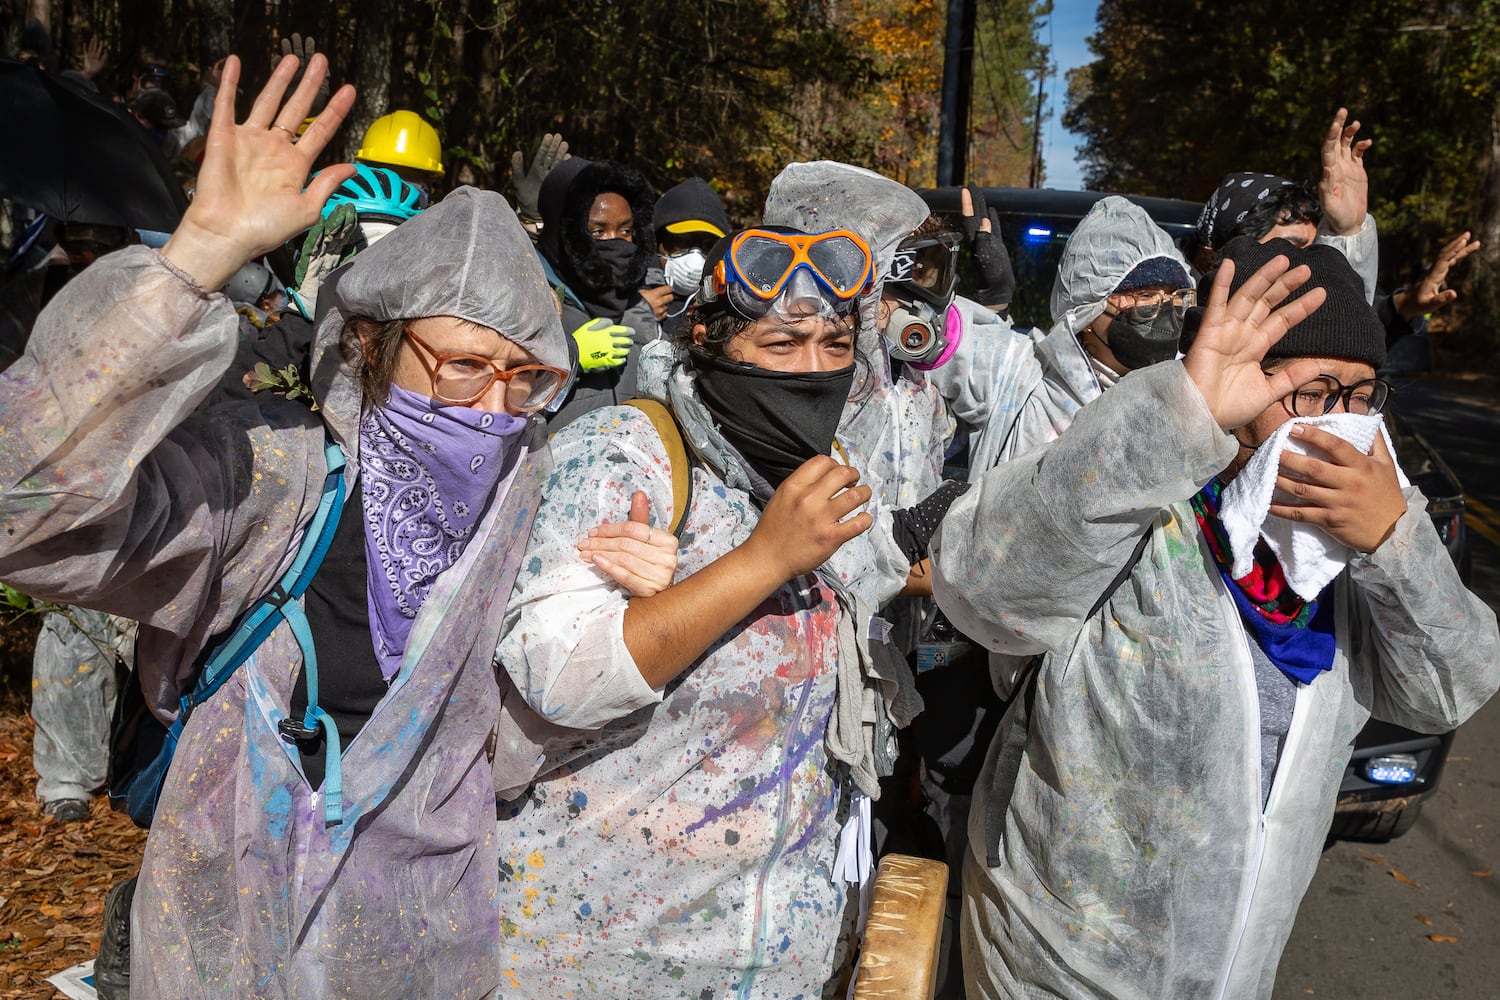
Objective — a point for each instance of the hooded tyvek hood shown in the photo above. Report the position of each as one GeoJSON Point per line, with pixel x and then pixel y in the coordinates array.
{"type": "Point", "coordinates": [468, 257]}
{"type": "Point", "coordinates": [822, 195]}
{"type": "Point", "coordinates": [1112, 239]}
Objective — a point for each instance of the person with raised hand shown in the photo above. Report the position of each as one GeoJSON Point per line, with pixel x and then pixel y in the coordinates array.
{"type": "Point", "coordinates": [326, 826]}
{"type": "Point", "coordinates": [1187, 691]}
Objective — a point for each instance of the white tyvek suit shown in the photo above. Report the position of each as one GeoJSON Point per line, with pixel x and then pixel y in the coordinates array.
{"type": "Point", "coordinates": [1020, 392]}
{"type": "Point", "coordinates": [117, 490]}
{"type": "Point", "coordinates": [1118, 845]}
{"type": "Point", "coordinates": [679, 842]}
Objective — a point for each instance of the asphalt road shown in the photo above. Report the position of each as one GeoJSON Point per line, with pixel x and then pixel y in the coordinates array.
{"type": "Point", "coordinates": [1419, 917]}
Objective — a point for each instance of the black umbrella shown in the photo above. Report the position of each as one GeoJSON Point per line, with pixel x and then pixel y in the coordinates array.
{"type": "Point", "coordinates": [79, 158]}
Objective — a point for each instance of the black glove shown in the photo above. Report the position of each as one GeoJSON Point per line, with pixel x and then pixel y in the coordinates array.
{"type": "Point", "coordinates": [304, 49]}
{"type": "Point", "coordinates": [913, 527]}
{"type": "Point", "coordinates": [997, 280]}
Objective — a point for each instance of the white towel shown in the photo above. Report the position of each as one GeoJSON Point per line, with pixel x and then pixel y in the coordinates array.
{"type": "Point", "coordinates": [1309, 557]}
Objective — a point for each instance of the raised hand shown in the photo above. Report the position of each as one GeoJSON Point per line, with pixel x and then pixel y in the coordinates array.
{"type": "Point", "coordinates": [304, 48]}
{"type": "Point", "coordinates": [638, 557]}
{"type": "Point", "coordinates": [94, 57]}
{"type": "Point", "coordinates": [1224, 360]}
{"type": "Point", "coordinates": [804, 522]}
{"type": "Point", "coordinates": [1344, 187]}
{"type": "Point", "coordinates": [1429, 295]}
{"type": "Point", "coordinates": [250, 198]}
{"type": "Point", "coordinates": [1354, 497]}
{"type": "Point", "coordinates": [552, 151]}
{"type": "Point", "coordinates": [997, 279]}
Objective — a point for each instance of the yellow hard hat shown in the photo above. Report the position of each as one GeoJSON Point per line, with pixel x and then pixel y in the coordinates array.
{"type": "Point", "coordinates": [402, 139]}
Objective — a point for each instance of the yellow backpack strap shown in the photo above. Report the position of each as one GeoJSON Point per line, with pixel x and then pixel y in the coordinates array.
{"type": "Point", "coordinates": [677, 457]}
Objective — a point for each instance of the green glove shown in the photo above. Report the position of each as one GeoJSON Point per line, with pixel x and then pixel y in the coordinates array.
{"type": "Point", "coordinates": [324, 247]}
{"type": "Point", "coordinates": [602, 344]}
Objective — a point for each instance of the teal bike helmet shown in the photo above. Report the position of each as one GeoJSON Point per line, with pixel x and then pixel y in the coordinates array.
{"type": "Point", "coordinates": [377, 194]}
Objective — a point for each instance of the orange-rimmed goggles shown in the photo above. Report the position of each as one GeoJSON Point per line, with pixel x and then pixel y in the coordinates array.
{"type": "Point", "coordinates": [761, 264]}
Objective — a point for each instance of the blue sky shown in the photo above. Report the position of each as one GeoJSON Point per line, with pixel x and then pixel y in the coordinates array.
{"type": "Point", "coordinates": [1072, 23]}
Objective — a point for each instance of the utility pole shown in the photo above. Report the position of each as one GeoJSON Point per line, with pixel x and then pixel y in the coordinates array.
{"type": "Point", "coordinates": [958, 80]}
{"type": "Point", "coordinates": [1036, 125]}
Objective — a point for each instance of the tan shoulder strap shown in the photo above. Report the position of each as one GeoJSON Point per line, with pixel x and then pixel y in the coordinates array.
{"type": "Point", "coordinates": [671, 438]}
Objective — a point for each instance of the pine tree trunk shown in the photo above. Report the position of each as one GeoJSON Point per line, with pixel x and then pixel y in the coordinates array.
{"type": "Point", "coordinates": [215, 29]}
{"type": "Point", "coordinates": [374, 54]}
{"type": "Point", "coordinates": [1484, 320]}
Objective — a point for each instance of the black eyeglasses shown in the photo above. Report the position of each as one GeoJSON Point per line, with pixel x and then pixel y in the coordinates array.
{"type": "Point", "coordinates": [1322, 394]}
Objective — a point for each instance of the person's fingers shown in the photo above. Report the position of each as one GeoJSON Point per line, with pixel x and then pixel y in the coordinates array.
{"type": "Point", "coordinates": [322, 130]}
{"type": "Point", "coordinates": [1335, 447]}
{"type": "Point", "coordinates": [965, 202]}
{"type": "Point", "coordinates": [835, 478]}
{"type": "Point", "coordinates": [1284, 381]}
{"type": "Point", "coordinates": [639, 531]}
{"type": "Point", "coordinates": [1446, 296]}
{"type": "Point", "coordinates": [1280, 322]}
{"type": "Point", "coordinates": [295, 112]}
{"type": "Point", "coordinates": [286, 48]}
{"type": "Point", "coordinates": [809, 472]}
{"type": "Point", "coordinates": [1306, 493]}
{"type": "Point", "coordinates": [640, 509]}
{"type": "Point", "coordinates": [224, 100]}
{"type": "Point", "coordinates": [518, 167]}
{"type": "Point", "coordinates": [849, 501]}
{"type": "Point", "coordinates": [984, 226]}
{"type": "Point", "coordinates": [1360, 148]}
{"type": "Point", "coordinates": [1218, 293]}
{"type": "Point", "coordinates": [1272, 297]}
{"type": "Point", "coordinates": [321, 187]}
{"type": "Point", "coordinates": [1304, 513]}
{"type": "Point", "coordinates": [263, 111]}
{"type": "Point", "coordinates": [1335, 129]}
{"type": "Point", "coordinates": [1257, 285]}
{"type": "Point", "coordinates": [853, 528]}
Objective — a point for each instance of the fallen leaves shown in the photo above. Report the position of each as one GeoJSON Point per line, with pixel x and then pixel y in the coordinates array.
{"type": "Point", "coordinates": [52, 877]}
{"type": "Point", "coordinates": [1442, 938]}
{"type": "Point", "coordinates": [1404, 880]}
{"type": "Point", "coordinates": [1422, 918]}
{"type": "Point", "coordinates": [1484, 874]}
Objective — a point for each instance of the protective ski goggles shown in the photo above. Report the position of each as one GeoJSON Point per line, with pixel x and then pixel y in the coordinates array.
{"type": "Point", "coordinates": [927, 267]}
{"type": "Point", "coordinates": [794, 274]}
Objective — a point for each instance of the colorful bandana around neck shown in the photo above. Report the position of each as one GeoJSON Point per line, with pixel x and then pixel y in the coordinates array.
{"type": "Point", "coordinates": [1295, 634]}
{"type": "Point", "coordinates": [427, 473]}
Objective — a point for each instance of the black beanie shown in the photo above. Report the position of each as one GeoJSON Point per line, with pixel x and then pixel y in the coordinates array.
{"type": "Point", "coordinates": [1344, 326]}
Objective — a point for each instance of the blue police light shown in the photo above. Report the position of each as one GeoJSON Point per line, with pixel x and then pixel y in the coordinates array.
{"type": "Point", "coordinates": [1393, 769]}
{"type": "Point", "coordinates": [1038, 233]}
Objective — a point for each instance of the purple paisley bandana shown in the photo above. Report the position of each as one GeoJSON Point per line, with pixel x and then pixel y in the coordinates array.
{"type": "Point", "coordinates": [427, 472]}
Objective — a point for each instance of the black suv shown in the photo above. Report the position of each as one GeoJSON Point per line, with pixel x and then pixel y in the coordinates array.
{"type": "Point", "coordinates": [1392, 769]}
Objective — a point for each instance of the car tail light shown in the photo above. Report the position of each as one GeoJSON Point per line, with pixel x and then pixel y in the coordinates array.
{"type": "Point", "coordinates": [1392, 769]}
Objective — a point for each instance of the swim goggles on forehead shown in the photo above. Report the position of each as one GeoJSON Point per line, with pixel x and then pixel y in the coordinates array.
{"type": "Point", "coordinates": [792, 274]}
{"type": "Point", "coordinates": [926, 268]}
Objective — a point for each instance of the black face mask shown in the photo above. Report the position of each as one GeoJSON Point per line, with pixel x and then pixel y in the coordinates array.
{"type": "Point", "coordinates": [776, 420]}
{"type": "Point", "coordinates": [619, 256]}
{"type": "Point", "coordinates": [1141, 343]}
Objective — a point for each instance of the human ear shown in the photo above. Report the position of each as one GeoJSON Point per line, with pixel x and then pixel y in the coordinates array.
{"type": "Point", "coordinates": [700, 333]}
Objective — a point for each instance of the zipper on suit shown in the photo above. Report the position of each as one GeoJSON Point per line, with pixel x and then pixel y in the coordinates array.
{"type": "Point", "coordinates": [759, 932]}
{"type": "Point", "coordinates": [1242, 918]}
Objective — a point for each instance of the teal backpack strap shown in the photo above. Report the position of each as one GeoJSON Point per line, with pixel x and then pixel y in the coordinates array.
{"type": "Point", "coordinates": [283, 602]}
